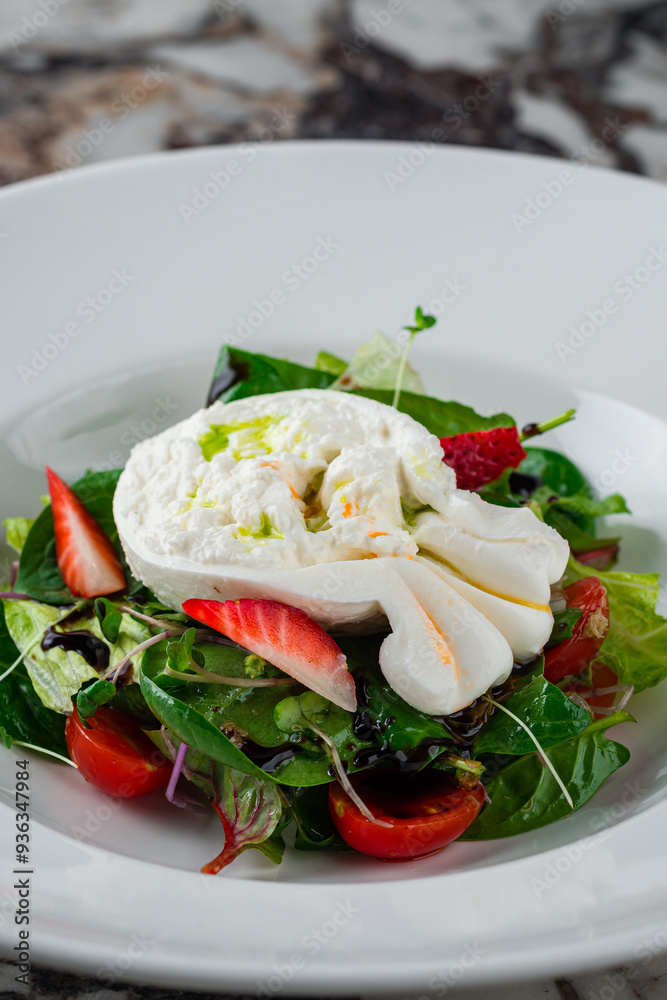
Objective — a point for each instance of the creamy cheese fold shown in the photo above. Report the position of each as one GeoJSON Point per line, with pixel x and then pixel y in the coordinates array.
{"type": "Point", "coordinates": [343, 507]}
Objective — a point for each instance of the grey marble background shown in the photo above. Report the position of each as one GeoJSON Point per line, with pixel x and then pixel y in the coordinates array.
{"type": "Point", "coordinates": [83, 81]}
{"type": "Point", "coordinates": [89, 80]}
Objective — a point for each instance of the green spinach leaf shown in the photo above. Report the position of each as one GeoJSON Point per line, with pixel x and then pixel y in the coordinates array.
{"type": "Point", "coordinates": [90, 698]}
{"type": "Point", "coordinates": [388, 719]}
{"type": "Point", "coordinates": [525, 796]}
{"type": "Point", "coordinates": [315, 829]}
{"type": "Point", "coordinates": [330, 363]}
{"type": "Point", "coordinates": [212, 713]}
{"type": "Point", "coordinates": [239, 373]}
{"type": "Point", "coordinates": [258, 374]}
{"type": "Point", "coordinates": [550, 715]}
{"type": "Point", "coordinates": [444, 419]}
{"type": "Point", "coordinates": [564, 622]}
{"type": "Point", "coordinates": [560, 474]}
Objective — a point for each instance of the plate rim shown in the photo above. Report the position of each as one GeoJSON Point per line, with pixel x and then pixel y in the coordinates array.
{"type": "Point", "coordinates": [598, 952]}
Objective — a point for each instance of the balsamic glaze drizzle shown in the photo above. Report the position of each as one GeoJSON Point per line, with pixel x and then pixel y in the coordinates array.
{"type": "Point", "coordinates": [93, 650]}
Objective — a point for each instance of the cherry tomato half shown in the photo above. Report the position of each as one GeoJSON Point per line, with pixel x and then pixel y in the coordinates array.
{"type": "Point", "coordinates": [600, 676]}
{"type": "Point", "coordinates": [573, 655]}
{"type": "Point", "coordinates": [115, 754]}
{"type": "Point", "coordinates": [425, 812]}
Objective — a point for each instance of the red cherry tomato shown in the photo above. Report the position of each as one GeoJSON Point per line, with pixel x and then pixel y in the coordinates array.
{"type": "Point", "coordinates": [115, 754]}
{"type": "Point", "coordinates": [573, 655]}
{"type": "Point", "coordinates": [601, 676]}
{"type": "Point", "coordinates": [425, 812]}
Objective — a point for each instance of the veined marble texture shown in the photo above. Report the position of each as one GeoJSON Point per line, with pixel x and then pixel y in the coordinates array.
{"type": "Point", "coordinates": [89, 80]}
{"type": "Point", "coordinates": [83, 81]}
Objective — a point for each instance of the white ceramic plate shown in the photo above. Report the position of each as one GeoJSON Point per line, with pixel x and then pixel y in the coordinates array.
{"type": "Point", "coordinates": [125, 898]}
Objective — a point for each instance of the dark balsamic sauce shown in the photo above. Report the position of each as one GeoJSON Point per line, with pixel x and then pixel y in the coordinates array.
{"type": "Point", "coordinates": [273, 757]}
{"type": "Point", "coordinates": [365, 727]}
{"type": "Point", "coordinates": [226, 379]}
{"type": "Point", "coordinates": [403, 762]}
{"type": "Point", "coordinates": [524, 485]}
{"type": "Point", "coordinates": [269, 758]}
{"type": "Point", "coordinates": [77, 615]}
{"type": "Point", "coordinates": [93, 650]}
{"type": "Point", "coordinates": [466, 724]}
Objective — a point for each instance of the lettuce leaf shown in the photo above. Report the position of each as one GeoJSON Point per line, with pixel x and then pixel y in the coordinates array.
{"type": "Point", "coordinates": [375, 365]}
{"type": "Point", "coordinates": [22, 715]}
{"type": "Point", "coordinates": [58, 674]}
{"type": "Point", "coordinates": [636, 644]}
{"type": "Point", "coordinates": [17, 529]}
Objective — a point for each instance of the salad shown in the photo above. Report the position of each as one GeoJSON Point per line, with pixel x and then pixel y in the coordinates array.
{"type": "Point", "coordinates": [338, 612]}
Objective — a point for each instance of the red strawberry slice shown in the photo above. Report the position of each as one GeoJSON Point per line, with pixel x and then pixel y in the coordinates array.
{"type": "Point", "coordinates": [86, 557]}
{"type": "Point", "coordinates": [481, 456]}
{"type": "Point", "coordinates": [286, 637]}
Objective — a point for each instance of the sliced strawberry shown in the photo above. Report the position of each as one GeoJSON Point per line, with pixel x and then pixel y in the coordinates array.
{"type": "Point", "coordinates": [86, 557]}
{"type": "Point", "coordinates": [286, 637]}
{"type": "Point", "coordinates": [480, 457]}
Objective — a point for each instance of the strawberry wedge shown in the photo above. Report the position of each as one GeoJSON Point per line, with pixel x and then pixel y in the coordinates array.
{"type": "Point", "coordinates": [287, 638]}
{"type": "Point", "coordinates": [86, 557]}
{"type": "Point", "coordinates": [479, 457]}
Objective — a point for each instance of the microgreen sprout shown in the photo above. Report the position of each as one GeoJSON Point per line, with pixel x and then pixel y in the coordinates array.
{"type": "Point", "coordinates": [297, 713]}
{"type": "Point", "coordinates": [182, 657]}
{"type": "Point", "coordinates": [49, 753]}
{"type": "Point", "coordinates": [422, 322]}
{"type": "Point", "coordinates": [540, 750]}
{"type": "Point", "coordinates": [114, 672]}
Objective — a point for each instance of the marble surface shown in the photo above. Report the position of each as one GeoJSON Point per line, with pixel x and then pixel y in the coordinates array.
{"type": "Point", "coordinates": [89, 80]}
{"type": "Point", "coordinates": [82, 81]}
